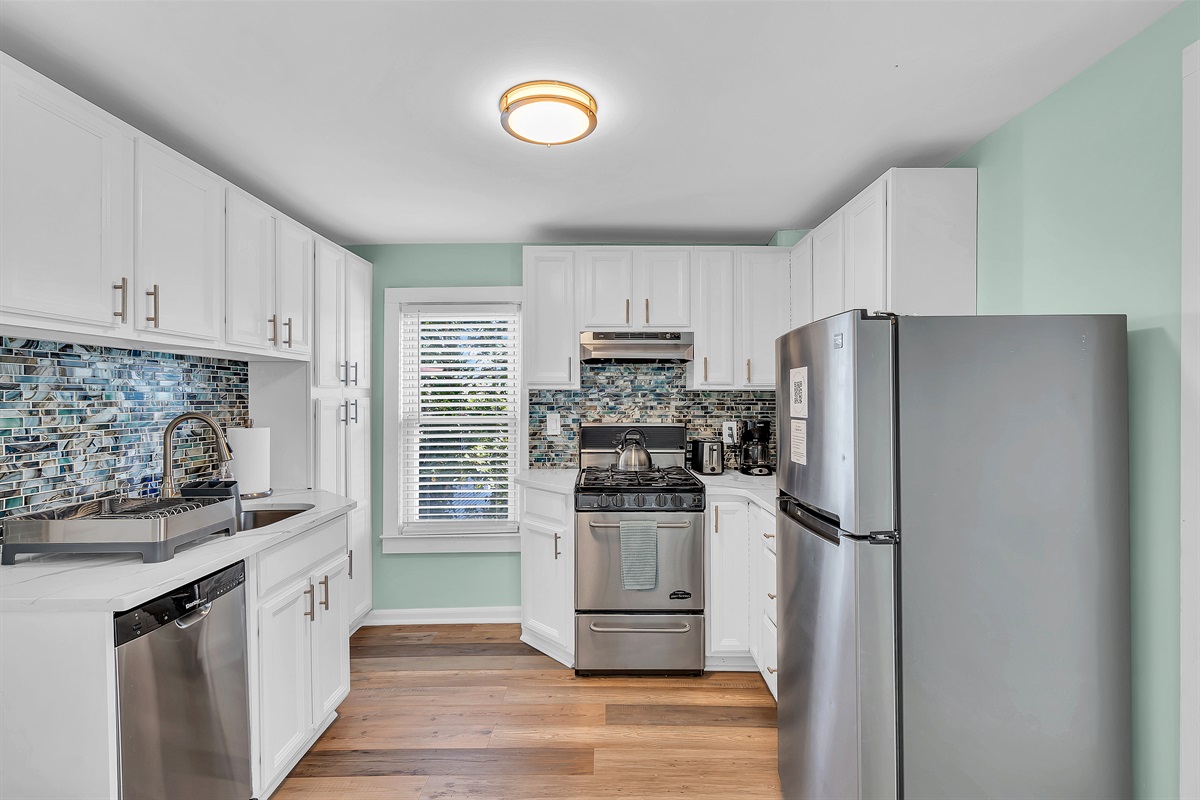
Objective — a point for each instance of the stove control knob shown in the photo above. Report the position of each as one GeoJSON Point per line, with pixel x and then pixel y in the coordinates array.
{"type": "Point", "coordinates": [677, 500]}
{"type": "Point", "coordinates": [660, 500]}
{"type": "Point", "coordinates": [603, 501]}
{"type": "Point", "coordinates": [618, 500]}
{"type": "Point", "coordinates": [640, 500]}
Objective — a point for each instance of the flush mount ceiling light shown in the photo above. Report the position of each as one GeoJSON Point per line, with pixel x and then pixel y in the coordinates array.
{"type": "Point", "coordinates": [548, 112]}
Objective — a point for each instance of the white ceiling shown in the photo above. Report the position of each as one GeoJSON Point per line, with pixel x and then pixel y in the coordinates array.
{"type": "Point", "coordinates": [377, 122]}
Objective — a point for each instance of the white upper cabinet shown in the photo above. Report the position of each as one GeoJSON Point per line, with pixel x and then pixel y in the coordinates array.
{"type": "Point", "coordinates": [330, 362]}
{"type": "Point", "coordinates": [66, 207]}
{"type": "Point", "coordinates": [663, 284]}
{"type": "Point", "coordinates": [550, 335]}
{"type": "Point", "coordinates": [357, 294]}
{"type": "Point", "coordinates": [713, 365]}
{"type": "Point", "coordinates": [180, 245]}
{"type": "Point", "coordinates": [865, 220]}
{"type": "Point", "coordinates": [828, 282]}
{"type": "Point", "coordinates": [607, 290]}
{"type": "Point", "coordinates": [294, 286]}
{"type": "Point", "coordinates": [250, 319]}
{"type": "Point", "coordinates": [764, 304]}
{"type": "Point", "coordinates": [802, 282]}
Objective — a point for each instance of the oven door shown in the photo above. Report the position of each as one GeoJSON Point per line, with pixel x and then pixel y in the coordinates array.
{"type": "Point", "coordinates": [680, 585]}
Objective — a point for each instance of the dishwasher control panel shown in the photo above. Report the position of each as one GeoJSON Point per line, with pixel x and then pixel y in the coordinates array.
{"type": "Point", "coordinates": [177, 606]}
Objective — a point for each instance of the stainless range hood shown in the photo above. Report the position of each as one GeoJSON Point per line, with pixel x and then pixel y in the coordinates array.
{"type": "Point", "coordinates": [620, 347]}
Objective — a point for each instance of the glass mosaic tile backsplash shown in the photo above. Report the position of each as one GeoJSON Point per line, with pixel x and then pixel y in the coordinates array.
{"type": "Point", "coordinates": [78, 421]}
{"type": "Point", "coordinates": [636, 393]}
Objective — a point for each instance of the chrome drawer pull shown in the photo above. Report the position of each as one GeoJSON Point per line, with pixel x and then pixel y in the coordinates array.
{"type": "Point", "coordinates": [768, 536]}
{"type": "Point", "coordinates": [311, 591]}
{"type": "Point", "coordinates": [772, 670]}
{"type": "Point", "coordinates": [770, 595]}
{"type": "Point", "coordinates": [288, 325]}
{"type": "Point", "coordinates": [661, 524]}
{"type": "Point", "coordinates": [325, 583]}
{"type": "Point", "coordinates": [154, 316]}
{"type": "Point", "coordinates": [599, 629]}
{"type": "Point", "coordinates": [123, 288]}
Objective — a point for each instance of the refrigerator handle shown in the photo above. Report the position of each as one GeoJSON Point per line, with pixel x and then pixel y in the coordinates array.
{"type": "Point", "coordinates": [802, 516]}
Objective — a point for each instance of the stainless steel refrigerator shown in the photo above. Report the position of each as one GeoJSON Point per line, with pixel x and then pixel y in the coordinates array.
{"type": "Point", "coordinates": [953, 557]}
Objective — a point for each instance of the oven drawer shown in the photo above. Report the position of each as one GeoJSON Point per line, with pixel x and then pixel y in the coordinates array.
{"type": "Point", "coordinates": [680, 584]}
{"type": "Point", "coordinates": [642, 643]}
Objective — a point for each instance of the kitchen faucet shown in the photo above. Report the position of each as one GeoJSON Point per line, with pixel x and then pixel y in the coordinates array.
{"type": "Point", "coordinates": [223, 452]}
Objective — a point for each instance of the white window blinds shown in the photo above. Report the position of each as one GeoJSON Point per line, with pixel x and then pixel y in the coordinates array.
{"type": "Point", "coordinates": [459, 407]}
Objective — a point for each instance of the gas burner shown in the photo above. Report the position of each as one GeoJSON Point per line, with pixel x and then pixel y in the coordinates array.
{"type": "Point", "coordinates": [611, 479]}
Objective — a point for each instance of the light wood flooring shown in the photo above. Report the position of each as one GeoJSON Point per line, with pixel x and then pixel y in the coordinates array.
{"type": "Point", "coordinates": [453, 711]}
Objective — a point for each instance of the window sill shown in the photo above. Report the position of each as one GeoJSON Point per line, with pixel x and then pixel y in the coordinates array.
{"type": "Point", "coordinates": [451, 543]}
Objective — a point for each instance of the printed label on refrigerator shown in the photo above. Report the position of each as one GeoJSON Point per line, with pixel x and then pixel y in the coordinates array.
{"type": "Point", "coordinates": [799, 381]}
{"type": "Point", "coordinates": [800, 441]}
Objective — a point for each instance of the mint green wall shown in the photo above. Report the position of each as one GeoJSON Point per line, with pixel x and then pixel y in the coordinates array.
{"type": "Point", "coordinates": [1079, 211]}
{"type": "Point", "coordinates": [787, 238]}
{"type": "Point", "coordinates": [436, 580]}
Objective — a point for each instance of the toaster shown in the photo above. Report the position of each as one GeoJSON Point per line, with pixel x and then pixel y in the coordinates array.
{"type": "Point", "coordinates": [706, 456]}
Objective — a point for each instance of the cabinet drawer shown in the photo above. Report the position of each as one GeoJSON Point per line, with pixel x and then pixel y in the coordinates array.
{"type": "Point", "coordinates": [300, 554]}
{"type": "Point", "coordinates": [769, 584]}
{"type": "Point", "coordinates": [547, 505]}
{"type": "Point", "coordinates": [767, 534]}
{"type": "Point", "coordinates": [770, 656]}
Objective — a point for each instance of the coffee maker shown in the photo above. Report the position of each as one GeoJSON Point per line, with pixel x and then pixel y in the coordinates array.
{"type": "Point", "coordinates": [754, 452]}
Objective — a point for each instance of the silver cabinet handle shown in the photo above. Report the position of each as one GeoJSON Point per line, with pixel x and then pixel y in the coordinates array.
{"type": "Point", "coordinates": [626, 310]}
{"type": "Point", "coordinates": [350, 569]}
{"type": "Point", "coordinates": [325, 602]}
{"type": "Point", "coordinates": [274, 323]}
{"type": "Point", "coordinates": [647, 310]}
{"type": "Point", "coordinates": [768, 536]}
{"type": "Point", "coordinates": [772, 670]}
{"type": "Point", "coordinates": [661, 524]}
{"type": "Point", "coordinates": [154, 315]}
{"type": "Point", "coordinates": [123, 288]}
{"type": "Point", "coordinates": [355, 372]}
{"type": "Point", "coordinates": [747, 370]}
{"type": "Point", "coordinates": [556, 553]}
{"type": "Point", "coordinates": [706, 369]}
{"type": "Point", "coordinates": [288, 325]}
{"type": "Point", "coordinates": [604, 629]}
{"type": "Point", "coordinates": [771, 596]}
{"type": "Point", "coordinates": [344, 369]}
{"type": "Point", "coordinates": [345, 417]}
{"type": "Point", "coordinates": [716, 519]}
{"type": "Point", "coordinates": [355, 404]}
{"type": "Point", "coordinates": [311, 591]}
{"type": "Point", "coordinates": [570, 366]}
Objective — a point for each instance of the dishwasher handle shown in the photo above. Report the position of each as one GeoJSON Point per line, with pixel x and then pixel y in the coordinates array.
{"type": "Point", "coordinates": [198, 615]}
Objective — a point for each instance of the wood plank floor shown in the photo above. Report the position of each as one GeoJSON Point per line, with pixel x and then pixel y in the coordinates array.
{"type": "Point", "coordinates": [469, 711]}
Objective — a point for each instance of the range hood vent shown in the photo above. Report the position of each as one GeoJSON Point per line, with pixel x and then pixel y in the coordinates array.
{"type": "Point", "coordinates": [622, 347]}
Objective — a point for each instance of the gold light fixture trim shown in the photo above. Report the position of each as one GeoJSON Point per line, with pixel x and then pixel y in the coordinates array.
{"type": "Point", "coordinates": [547, 112]}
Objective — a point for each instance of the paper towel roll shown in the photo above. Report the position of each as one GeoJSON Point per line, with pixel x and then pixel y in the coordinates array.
{"type": "Point", "coordinates": [251, 462]}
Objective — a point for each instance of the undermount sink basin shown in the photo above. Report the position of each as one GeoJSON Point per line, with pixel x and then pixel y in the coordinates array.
{"type": "Point", "coordinates": [268, 516]}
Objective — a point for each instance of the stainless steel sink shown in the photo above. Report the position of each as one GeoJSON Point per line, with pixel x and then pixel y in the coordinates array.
{"type": "Point", "coordinates": [268, 516]}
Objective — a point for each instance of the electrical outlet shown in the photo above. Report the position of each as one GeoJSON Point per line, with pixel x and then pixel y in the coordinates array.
{"type": "Point", "coordinates": [729, 432]}
{"type": "Point", "coordinates": [553, 424]}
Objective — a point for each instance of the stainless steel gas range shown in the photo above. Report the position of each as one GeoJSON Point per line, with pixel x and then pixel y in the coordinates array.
{"type": "Point", "coordinates": [639, 556]}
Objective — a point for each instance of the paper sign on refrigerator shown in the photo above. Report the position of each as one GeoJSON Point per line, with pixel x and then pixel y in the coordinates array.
{"type": "Point", "coordinates": [799, 399]}
{"type": "Point", "coordinates": [800, 441]}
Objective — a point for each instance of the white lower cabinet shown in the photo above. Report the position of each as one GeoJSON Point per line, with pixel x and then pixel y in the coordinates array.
{"type": "Point", "coordinates": [548, 573]}
{"type": "Point", "coordinates": [727, 615]}
{"type": "Point", "coordinates": [302, 645]}
{"type": "Point", "coordinates": [764, 606]}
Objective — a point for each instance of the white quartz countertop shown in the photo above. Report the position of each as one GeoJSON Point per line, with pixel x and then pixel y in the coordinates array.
{"type": "Point", "coordinates": [78, 582]}
{"type": "Point", "coordinates": [756, 488]}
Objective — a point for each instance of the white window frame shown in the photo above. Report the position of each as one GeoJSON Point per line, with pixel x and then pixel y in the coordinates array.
{"type": "Point", "coordinates": [475, 537]}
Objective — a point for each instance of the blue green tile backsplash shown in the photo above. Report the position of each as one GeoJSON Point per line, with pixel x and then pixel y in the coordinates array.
{"type": "Point", "coordinates": [78, 421]}
{"type": "Point", "coordinates": [635, 393]}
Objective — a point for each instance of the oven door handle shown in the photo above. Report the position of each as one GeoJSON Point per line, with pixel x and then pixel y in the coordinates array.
{"type": "Point", "coordinates": [599, 629]}
{"type": "Point", "coordinates": [661, 524]}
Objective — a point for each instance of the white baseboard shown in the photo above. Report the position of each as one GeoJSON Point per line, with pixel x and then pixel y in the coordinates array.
{"type": "Point", "coordinates": [442, 616]}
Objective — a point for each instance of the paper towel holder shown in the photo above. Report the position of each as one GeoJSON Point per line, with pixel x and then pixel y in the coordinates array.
{"type": "Point", "coordinates": [255, 495]}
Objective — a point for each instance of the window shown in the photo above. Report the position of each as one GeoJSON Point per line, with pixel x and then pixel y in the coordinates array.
{"type": "Point", "coordinates": [457, 410]}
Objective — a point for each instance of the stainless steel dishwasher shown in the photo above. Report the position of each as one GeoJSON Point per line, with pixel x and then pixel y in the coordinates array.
{"type": "Point", "coordinates": [182, 697]}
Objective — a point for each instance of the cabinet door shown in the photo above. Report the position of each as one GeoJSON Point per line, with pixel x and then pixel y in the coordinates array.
{"type": "Point", "coordinates": [764, 294]}
{"type": "Point", "coordinates": [329, 458]}
{"type": "Point", "coordinates": [607, 292]}
{"type": "Point", "coordinates": [249, 272]}
{"type": "Point", "coordinates": [294, 293]}
{"type": "Point", "coordinates": [713, 366]}
{"type": "Point", "coordinates": [551, 337]}
{"type": "Point", "coordinates": [547, 604]}
{"type": "Point", "coordinates": [729, 582]}
{"type": "Point", "coordinates": [284, 676]}
{"type": "Point", "coordinates": [828, 283]}
{"type": "Point", "coordinates": [358, 486]}
{"type": "Point", "coordinates": [66, 206]}
{"type": "Point", "coordinates": [180, 248]}
{"type": "Point", "coordinates": [358, 322]}
{"type": "Point", "coordinates": [770, 655]}
{"type": "Point", "coordinates": [329, 368]}
{"type": "Point", "coordinates": [866, 241]}
{"type": "Point", "coordinates": [358, 570]}
{"type": "Point", "coordinates": [331, 638]}
{"type": "Point", "coordinates": [802, 291]}
{"type": "Point", "coordinates": [664, 279]}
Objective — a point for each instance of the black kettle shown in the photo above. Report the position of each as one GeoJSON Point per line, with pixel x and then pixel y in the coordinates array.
{"type": "Point", "coordinates": [632, 455]}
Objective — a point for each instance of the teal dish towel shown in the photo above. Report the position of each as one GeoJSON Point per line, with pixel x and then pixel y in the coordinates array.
{"type": "Point", "coordinates": [639, 554]}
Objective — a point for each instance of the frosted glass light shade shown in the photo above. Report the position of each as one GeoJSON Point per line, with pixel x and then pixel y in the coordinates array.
{"type": "Point", "coordinates": [548, 112]}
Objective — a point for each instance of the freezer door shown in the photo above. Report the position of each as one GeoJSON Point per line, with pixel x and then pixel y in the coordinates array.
{"type": "Point", "coordinates": [836, 417]}
{"type": "Point", "coordinates": [837, 665]}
